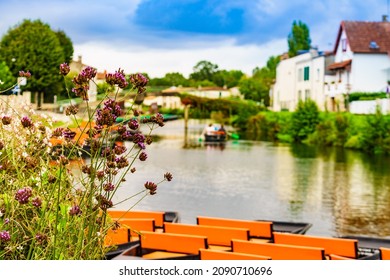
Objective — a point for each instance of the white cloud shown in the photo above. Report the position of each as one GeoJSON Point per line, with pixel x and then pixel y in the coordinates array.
{"type": "Point", "coordinates": [157, 62]}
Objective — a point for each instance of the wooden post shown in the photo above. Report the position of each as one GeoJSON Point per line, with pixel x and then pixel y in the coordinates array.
{"type": "Point", "coordinates": [186, 112]}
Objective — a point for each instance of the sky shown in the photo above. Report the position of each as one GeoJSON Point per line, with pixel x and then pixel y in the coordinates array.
{"type": "Point", "coordinates": [162, 36]}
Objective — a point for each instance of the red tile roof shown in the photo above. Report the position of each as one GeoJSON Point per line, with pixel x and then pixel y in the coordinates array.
{"type": "Point", "coordinates": [361, 33]}
{"type": "Point", "coordinates": [340, 65]}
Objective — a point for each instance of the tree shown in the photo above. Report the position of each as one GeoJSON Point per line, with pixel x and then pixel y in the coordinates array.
{"type": "Point", "coordinates": [7, 80]}
{"type": "Point", "coordinates": [227, 78]}
{"type": "Point", "coordinates": [299, 38]}
{"type": "Point", "coordinates": [67, 45]}
{"type": "Point", "coordinates": [176, 79]}
{"type": "Point", "coordinates": [33, 46]}
{"type": "Point", "coordinates": [254, 89]}
{"type": "Point", "coordinates": [204, 70]}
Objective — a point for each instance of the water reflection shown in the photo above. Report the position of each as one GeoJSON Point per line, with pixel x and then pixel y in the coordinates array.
{"type": "Point", "coordinates": [340, 192]}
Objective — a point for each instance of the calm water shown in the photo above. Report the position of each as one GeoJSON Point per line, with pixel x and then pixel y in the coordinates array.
{"type": "Point", "coordinates": [339, 192]}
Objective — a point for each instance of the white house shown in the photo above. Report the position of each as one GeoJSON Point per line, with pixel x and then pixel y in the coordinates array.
{"type": "Point", "coordinates": [361, 59]}
{"type": "Point", "coordinates": [299, 78]}
{"type": "Point", "coordinates": [359, 63]}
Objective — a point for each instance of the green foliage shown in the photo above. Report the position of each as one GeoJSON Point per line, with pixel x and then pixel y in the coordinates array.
{"type": "Point", "coordinates": [254, 89]}
{"type": "Point", "coordinates": [299, 38]}
{"type": "Point", "coordinates": [227, 78]}
{"type": "Point", "coordinates": [204, 70]}
{"type": "Point", "coordinates": [355, 96]}
{"type": "Point", "coordinates": [242, 110]}
{"type": "Point", "coordinates": [6, 77]}
{"type": "Point", "coordinates": [66, 44]}
{"type": "Point", "coordinates": [376, 136]}
{"type": "Point", "coordinates": [33, 46]}
{"type": "Point", "coordinates": [304, 120]}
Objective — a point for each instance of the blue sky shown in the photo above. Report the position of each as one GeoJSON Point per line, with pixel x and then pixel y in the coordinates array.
{"type": "Point", "coordinates": [160, 36]}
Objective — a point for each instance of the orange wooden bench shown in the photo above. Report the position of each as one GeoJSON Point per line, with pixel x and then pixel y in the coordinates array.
{"type": "Point", "coordinates": [208, 254]}
{"type": "Point", "coordinates": [257, 229]}
{"type": "Point", "coordinates": [339, 258]}
{"type": "Point", "coordinates": [332, 245]}
{"type": "Point", "coordinates": [137, 225]}
{"type": "Point", "coordinates": [218, 236]}
{"type": "Point", "coordinates": [116, 237]}
{"type": "Point", "coordinates": [384, 253]}
{"type": "Point", "coordinates": [159, 245]}
{"type": "Point", "coordinates": [157, 216]}
{"type": "Point", "coordinates": [278, 251]}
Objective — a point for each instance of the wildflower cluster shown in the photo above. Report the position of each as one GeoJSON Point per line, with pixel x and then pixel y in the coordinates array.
{"type": "Point", "coordinates": [59, 182]}
{"type": "Point", "coordinates": [81, 82]}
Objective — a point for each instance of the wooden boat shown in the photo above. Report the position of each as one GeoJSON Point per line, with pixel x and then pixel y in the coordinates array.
{"type": "Point", "coordinates": [291, 227]}
{"type": "Point", "coordinates": [219, 233]}
{"type": "Point", "coordinates": [215, 136]}
{"type": "Point", "coordinates": [370, 246]}
{"type": "Point", "coordinates": [158, 219]}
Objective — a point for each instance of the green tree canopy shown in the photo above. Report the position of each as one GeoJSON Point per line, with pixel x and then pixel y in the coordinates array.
{"type": "Point", "coordinates": [254, 89]}
{"type": "Point", "coordinates": [176, 79]}
{"type": "Point", "coordinates": [7, 80]}
{"type": "Point", "coordinates": [299, 38]}
{"type": "Point", "coordinates": [204, 70]}
{"type": "Point", "coordinates": [66, 44]}
{"type": "Point", "coordinates": [33, 46]}
{"type": "Point", "coordinates": [227, 78]}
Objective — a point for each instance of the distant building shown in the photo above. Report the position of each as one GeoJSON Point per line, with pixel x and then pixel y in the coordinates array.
{"type": "Point", "coordinates": [299, 78]}
{"type": "Point", "coordinates": [359, 62]}
{"type": "Point", "coordinates": [77, 66]}
{"type": "Point", "coordinates": [206, 92]}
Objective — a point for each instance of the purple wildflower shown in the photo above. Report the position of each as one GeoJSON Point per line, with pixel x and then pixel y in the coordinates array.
{"type": "Point", "coordinates": [138, 137]}
{"type": "Point", "coordinates": [5, 236]}
{"type": "Point", "coordinates": [6, 120]}
{"type": "Point", "coordinates": [168, 176]}
{"type": "Point", "coordinates": [37, 202]}
{"type": "Point", "coordinates": [23, 195]}
{"type": "Point", "coordinates": [139, 82]}
{"type": "Point", "coordinates": [133, 124]}
{"type": "Point", "coordinates": [25, 74]}
{"type": "Point", "coordinates": [68, 134]}
{"type": "Point", "coordinates": [75, 211]}
{"type": "Point", "coordinates": [117, 79]}
{"type": "Point", "coordinates": [108, 187]}
{"type": "Point", "coordinates": [64, 69]}
{"type": "Point", "coordinates": [143, 156]}
{"type": "Point", "coordinates": [152, 187]}
{"type": "Point", "coordinates": [26, 122]}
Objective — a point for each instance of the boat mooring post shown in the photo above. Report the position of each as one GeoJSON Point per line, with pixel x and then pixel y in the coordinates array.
{"type": "Point", "coordinates": [186, 111]}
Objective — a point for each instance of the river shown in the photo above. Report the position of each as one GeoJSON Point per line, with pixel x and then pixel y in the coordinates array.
{"type": "Point", "coordinates": [341, 192]}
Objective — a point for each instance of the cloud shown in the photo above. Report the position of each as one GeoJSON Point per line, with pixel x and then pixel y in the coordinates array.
{"type": "Point", "coordinates": [173, 35]}
{"type": "Point", "coordinates": [157, 62]}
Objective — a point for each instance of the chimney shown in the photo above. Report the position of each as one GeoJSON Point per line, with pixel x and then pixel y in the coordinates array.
{"type": "Point", "coordinates": [384, 18]}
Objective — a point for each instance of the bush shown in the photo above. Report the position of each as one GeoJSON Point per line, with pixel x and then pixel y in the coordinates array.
{"type": "Point", "coordinates": [304, 120]}
{"type": "Point", "coordinates": [53, 202]}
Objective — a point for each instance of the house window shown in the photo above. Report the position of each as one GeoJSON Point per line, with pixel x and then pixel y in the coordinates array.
{"type": "Point", "coordinates": [344, 44]}
{"type": "Point", "coordinates": [306, 72]}
{"type": "Point", "coordinates": [307, 94]}
{"type": "Point", "coordinates": [299, 95]}
{"type": "Point", "coordinates": [300, 75]}
{"type": "Point", "coordinates": [318, 74]}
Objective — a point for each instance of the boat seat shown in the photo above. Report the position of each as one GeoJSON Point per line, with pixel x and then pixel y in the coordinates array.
{"type": "Point", "coordinates": [339, 258]}
{"type": "Point", "coordinates": [116, 237]}
{"type": "Point", "coordinates": [158, 216]}
{"type": "Point", "coordinates": [216, 235]}
{"type": "Point", "coordinates": [156, 245]}
{"type": "Point", "coordinates": [384, 253]}
{"type": "Point", "coordinates": [332, 245]}
{"type": "Point", "coordinates": [137, 225]}
{"type": "Point", "coordinates": [278, 251]}
{"type": "Point", "coordinates": [257, 229]}
{"type": "Point", "coordinates": [209, 254]}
